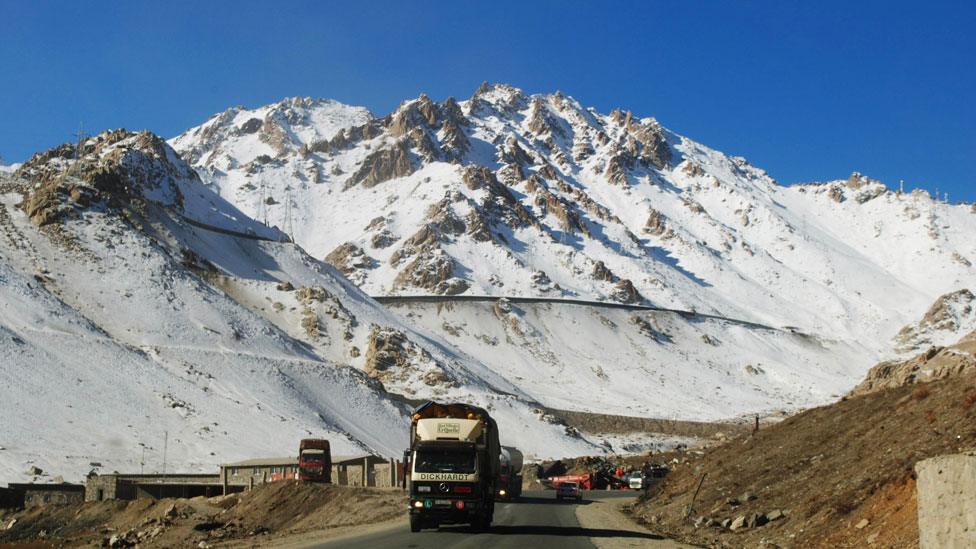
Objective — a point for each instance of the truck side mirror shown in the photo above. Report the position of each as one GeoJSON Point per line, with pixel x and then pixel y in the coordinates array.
{"type": "Point", "coordinates": [406, 467]}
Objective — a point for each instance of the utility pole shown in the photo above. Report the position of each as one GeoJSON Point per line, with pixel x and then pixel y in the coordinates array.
{"type": "Point", "coordinates": [288, 213]}
{"type": "Point", "coordinates": [263, 206]}
{"type": "Point", "coordinates": [165, 448]}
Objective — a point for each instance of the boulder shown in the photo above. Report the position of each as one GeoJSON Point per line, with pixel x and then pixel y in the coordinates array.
{"type": "Point", "coordinates": [756, 520]}
{"type": "Point", "coordinates": [739, 522]}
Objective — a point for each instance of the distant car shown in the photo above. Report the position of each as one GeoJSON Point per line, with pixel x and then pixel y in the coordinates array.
{"type": "Point", "coordinates": [570, 490]}
{"type": "Point", "coordinates": [635, 480]}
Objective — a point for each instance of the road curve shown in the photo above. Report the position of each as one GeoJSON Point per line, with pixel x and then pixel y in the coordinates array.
{"type": "Point", "coordinates": [536, 520]}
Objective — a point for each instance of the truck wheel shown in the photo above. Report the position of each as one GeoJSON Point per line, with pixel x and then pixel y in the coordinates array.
{"type": "Point", "coordinates": [415, 524]}
{"type": "Point", "coordinates": [482, 523]}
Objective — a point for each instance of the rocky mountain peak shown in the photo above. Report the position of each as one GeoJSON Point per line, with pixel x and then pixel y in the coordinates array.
{"type": "Point", "coordinates": [112, 168]}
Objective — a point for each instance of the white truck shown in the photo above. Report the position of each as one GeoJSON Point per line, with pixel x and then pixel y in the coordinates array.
{"type": "Point", "coordinates": [510, 473]}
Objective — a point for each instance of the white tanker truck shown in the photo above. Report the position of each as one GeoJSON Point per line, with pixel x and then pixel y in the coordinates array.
{"type": "Point", "coordinates": [510, 473]}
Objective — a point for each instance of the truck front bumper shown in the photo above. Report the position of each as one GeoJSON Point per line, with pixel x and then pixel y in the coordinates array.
{"type": "Point", "coordinates": [446, 510]}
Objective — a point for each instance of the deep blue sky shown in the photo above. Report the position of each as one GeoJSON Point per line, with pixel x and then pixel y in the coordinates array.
{"type": "Point", "coordinates": [808, 91]}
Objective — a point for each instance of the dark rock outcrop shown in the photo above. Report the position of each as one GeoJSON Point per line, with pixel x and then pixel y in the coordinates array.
{"type": "Point", "coordinates": [383, 165]}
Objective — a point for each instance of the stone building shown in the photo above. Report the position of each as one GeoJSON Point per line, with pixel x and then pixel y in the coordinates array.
{"type": "Point", "coordinates": [359, 470]}
{"type": "Point", "coordinates": [11, 499]}
{"type": "Point", "coordinates": [156, 486]}
{"type": "Point", "coordinates": [250, 472]}
{"type": "Point", "coordinates": [364, 470]}
{"type": "Point", "coordinates": [34, 495]}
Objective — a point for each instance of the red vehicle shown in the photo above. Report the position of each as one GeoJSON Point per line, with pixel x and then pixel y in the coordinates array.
{"type": "Point", "coordinates": [314, 460]}
{"type": "Point", "coordinates": [584, 481]}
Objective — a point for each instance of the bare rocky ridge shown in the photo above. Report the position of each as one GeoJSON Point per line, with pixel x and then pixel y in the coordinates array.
{"type": "Point", "coordinates": [936, 363]}
{"type": "Point", "coordinates": [950, 315]}
{"type": "Point", "coordinates": [113, 168]}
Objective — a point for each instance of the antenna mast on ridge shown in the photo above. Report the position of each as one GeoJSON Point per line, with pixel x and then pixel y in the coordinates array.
{"type": "Point", "coordinates": [81, 137]}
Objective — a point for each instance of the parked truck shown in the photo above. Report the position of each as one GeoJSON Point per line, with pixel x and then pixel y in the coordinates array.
{"type": "Point", "coordinates": [453, 465]}
{"type": "Point", "coordinates": [314, 460]}
{"type": "Point", "coordinates": [510, 473]}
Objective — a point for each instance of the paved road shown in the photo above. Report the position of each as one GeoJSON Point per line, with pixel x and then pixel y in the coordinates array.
{"type": "Point", "coordinates": [537, 520]}
{"type": "Point", "coordinates": [692, 315]}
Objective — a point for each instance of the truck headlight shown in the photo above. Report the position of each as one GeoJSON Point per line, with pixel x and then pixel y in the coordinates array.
{"type": "Point", "coordinates": [418, 504]}
{"type": "Point", "coordinates": [501, 492]}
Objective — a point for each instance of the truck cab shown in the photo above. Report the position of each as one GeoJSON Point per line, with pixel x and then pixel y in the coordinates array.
{"type": "Point", "coordinates": [314, 460]}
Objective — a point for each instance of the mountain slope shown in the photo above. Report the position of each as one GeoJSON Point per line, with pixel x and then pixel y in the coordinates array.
{"type": "Point", "coordinates": [138, 310]}
{"type": "Point", "coordinates": [512, 194]}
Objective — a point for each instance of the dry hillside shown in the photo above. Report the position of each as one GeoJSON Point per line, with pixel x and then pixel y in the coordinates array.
{"type": "Point", "coordinates": [261, 516]}
{"type": "Point", "coordinates": [835, 476]}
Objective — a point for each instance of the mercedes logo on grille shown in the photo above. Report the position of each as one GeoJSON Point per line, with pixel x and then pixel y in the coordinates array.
{"type": "Point", "coordinates": [443, 487]}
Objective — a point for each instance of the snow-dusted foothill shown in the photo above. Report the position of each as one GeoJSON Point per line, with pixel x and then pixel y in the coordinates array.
{"type": "Point", "coordinates": [140, 311]}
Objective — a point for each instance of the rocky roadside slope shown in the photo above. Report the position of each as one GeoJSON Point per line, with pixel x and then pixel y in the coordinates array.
{"type": "Point", "coordinates": [268, 513]}
{"type": "Point", "coordinates": [835, 476]}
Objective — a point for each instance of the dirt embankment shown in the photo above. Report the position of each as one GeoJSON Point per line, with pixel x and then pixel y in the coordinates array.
{"type": "Point", "coordinates": [835, 476]}
{"type": "Point", "coordinates": [602, 423]}
{"type": "Point", "coordinates": [268, 513]}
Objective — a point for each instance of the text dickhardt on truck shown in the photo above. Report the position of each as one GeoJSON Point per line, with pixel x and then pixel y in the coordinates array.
{"type": "Point", "coordinates": [453, 465]}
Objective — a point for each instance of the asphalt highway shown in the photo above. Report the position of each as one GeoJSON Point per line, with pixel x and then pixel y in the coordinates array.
{"type": "Point", "coordinates": [535, 520]}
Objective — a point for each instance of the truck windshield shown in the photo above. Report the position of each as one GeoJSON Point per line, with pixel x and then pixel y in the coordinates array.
{"type": "Point", "coordinates": [313, 456]}
{"type": "Point", "coordinates": [430, 460]}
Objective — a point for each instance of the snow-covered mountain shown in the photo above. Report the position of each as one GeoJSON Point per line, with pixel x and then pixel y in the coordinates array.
{"type": "Point", "coordinates": [140, 311]}
{"type": "Point", "coordinates": [534, 195]}
{"type": "Point", "coordinates": [146, 291]}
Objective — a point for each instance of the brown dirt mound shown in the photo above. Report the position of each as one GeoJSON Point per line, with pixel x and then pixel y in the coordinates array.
{"type": "Point", "coordinates": [828, 470]}
{"type": "Point", "coordinates": [265, 513]}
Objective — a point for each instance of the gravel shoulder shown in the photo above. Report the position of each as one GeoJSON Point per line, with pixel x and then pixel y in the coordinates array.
{"type": "Point", "coordinates": [612, 514]}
